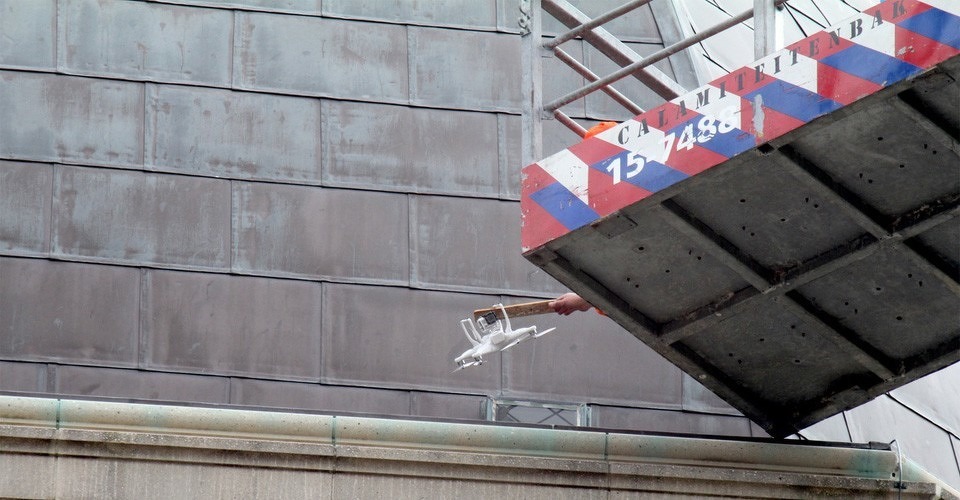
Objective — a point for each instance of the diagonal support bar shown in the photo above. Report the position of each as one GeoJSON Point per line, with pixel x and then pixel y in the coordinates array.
{"type": "Point", "coordinates": [591, 76]}
{"type": "Point", "coordinates": [597, 21]}
{"type": "Point", "coordinates": [649, 60]}
{"type": "Point", "coordinates": [610, 46]}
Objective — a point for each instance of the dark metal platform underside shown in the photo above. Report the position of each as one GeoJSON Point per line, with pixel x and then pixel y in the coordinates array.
{"type": "Point", "coordinates": [804, 277]}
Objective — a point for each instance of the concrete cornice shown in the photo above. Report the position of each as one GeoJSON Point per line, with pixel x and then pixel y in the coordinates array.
{"type": "Point", "coordinates": [328, 444]}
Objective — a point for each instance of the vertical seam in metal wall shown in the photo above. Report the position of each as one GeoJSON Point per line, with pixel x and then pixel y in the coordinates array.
{"type": "Point", "coordinates": [412, 243]}
{"type": "Point", "coordinates": [48, 237]}
{"type": "Point", "coordinates": [503, 165]}
{"type": "Point", "coordinates": [322, 332]}
{"type": "Point", "coordinates": [503, 360]}
{"type": "Point", "coordinates": [54, 217]}
{"type": "Point", "coordinates": [58, 38]}
{"type": "Point", "coordinates": [233, 46]}
{"type": "Point", "coordinates": [234, 245]}
{"type": "Point", "coordinates": [411, 81]}
{"type": "Point", "coordinates": [320, 149]}
{"type": "Point", "coordinates": [143, 126]}
{"type": "Point", "coordinates": [51, 378]}
{"type": "Point", "coordinates": [139, 333]}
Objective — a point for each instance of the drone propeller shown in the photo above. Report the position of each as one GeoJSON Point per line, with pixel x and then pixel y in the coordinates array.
{"type": "Point", "coordinates": [541, 334]}
{"type": "Point", "coordinates": [467, 364]}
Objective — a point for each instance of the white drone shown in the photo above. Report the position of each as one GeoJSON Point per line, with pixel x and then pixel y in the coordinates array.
{"type": "Point", "coordinates": [497, 335]}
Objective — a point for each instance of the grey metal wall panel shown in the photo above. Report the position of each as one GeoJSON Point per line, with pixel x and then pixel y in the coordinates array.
{"type": "Point", "coordinates": [327, 398]}
{"type": "Point", "coordinates": [141, 385]}
{"type": "Point", "coordinates": [508, 14]}
{"type": "Point", "coordinates": [319, 232]}
{"type": "Point", "coordinates": [146, 41]}
{"type": "Point", "coordinates": [80, 120]}
{"type": "Point", "coordinates": [211, 326]}
{"type": "Point", "coordinates": [25, 377]}
{"type": "Point", "coordinates": [454, 69]}
{"type": "Point", "coordinates": [560, 79]}
{"type": "Point", "coordinates": [936, 397]}
{"type": "Point", "coordinates": [472, 244]}
{"type": "Point", "coordinates": [400, 148]}
{"type": "Point", "coordinates": [511, 158]}
{"type": "Point", "coordinates": [316, 56]}
{"type": "Point", "coordinates": [830, 429]}
{"type": "Point", "coordinates": [670, 421]}
{"type": "Point", "coordinates": [601, 106]}
{"type": "Point", "coordinates": [285, 6]}
{"type": "Point", "coordinates": [557, 137]}
{"type": "Point", "coordinates": [141, 217]}
{"type": "Point", "coordinates": [400, 338]}
{"type": "Point", "coordinates": [29, 33]}
{"type": "Point", "coordinates": [438, 405]}
{"type": "Point", "coordinates": [698, 398]}
{"type": "Point", "coordinates": [25, 194]}
{"type": "Point", "coordinates": [232, 325]}
{"type": "Point", "coordinates": [462, 13]}
{"type": "Point", "coordinates": [884, 420]}
{"type": "Point", "coordinates": [757, 431]}
{"type": "Point", "coordinates": [233, 134]}
{"type": "Point", "coordinates": [589, 358]}
{"type": "Point", "coordinates": [687, 64]}
{"type": "Point", "coordinates": [61, 311]}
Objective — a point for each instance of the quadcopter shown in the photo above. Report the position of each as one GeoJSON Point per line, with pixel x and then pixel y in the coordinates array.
{"type": "Point", "coordinates": [495, 333]}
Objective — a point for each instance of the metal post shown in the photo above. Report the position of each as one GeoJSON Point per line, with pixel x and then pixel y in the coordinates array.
{"type": "Point", "coordinates": [764, 28]}
{"type": "Point", "coordinates": [531, 143]}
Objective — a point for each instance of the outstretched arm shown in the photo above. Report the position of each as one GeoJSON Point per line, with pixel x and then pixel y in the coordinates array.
{"type": "Point", "coordinates": [568, 303]}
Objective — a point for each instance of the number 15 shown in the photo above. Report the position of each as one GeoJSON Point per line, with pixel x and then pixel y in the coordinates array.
{"type": "Point", "coordinates": [634, 163]}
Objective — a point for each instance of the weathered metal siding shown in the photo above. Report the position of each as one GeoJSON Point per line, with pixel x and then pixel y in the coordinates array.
{"type": "Point", "coordinates": [289, 204]}
{"type": "Point", "coordinates": [269, 204]}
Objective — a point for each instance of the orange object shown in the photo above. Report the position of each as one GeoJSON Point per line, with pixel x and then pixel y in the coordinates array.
{"type": "Point", "coordinates": [600, 127]}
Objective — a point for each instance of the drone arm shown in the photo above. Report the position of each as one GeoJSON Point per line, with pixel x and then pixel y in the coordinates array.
{"type": "Point", "coordinates": [506, 319]}
{"type": "Point", "coordinates": [472, 334]}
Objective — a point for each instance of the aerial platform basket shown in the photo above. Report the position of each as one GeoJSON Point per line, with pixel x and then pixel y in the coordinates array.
{"type": "Point", "coordinates": [788, 234]}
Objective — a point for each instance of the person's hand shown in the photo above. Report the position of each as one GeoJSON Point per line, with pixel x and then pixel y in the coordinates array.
{"type": "Point", "coordinates": [568, 303]}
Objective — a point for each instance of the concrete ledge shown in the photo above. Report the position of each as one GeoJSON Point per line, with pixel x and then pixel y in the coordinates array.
{"type": "Point", "coordinates": [68, 448]}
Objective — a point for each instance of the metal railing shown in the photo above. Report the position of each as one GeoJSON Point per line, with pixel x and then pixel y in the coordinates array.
{"type": "Point", "coordinates": [591, 31]}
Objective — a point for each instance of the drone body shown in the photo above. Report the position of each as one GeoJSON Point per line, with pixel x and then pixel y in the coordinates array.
{"type": "Point", "coordinates": [497, 336]}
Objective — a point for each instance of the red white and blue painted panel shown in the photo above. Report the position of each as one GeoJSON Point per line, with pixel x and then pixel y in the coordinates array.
{"type": "Point", "coordinates": [885, 44]}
